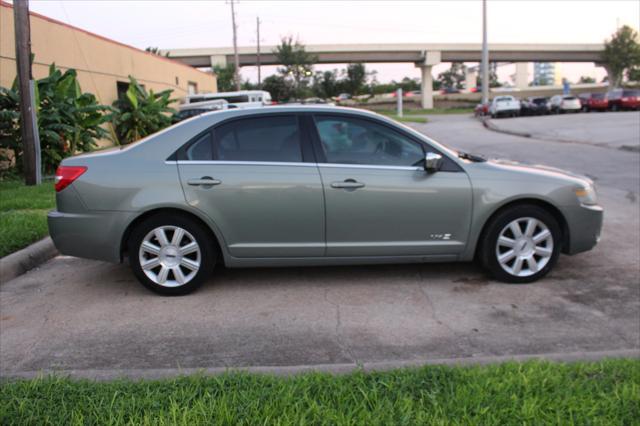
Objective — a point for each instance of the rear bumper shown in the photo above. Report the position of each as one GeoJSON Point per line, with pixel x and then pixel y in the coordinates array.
{"type": "Point", "coordinates": [585, 227]}
{"type": "Point", "coordinates": [91, 235]}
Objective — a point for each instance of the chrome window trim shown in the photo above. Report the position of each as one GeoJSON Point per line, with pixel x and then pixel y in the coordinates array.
{"type": "Point", "coordinates": [242, 163]}
{"type": "Point", "coordinates": [368, 166]}
{"type": "Point", "coordinates": [296, 164]}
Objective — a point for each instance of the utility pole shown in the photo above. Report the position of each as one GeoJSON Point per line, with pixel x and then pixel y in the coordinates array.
{"type": "Point", "coordinates": [258, 51]}
{"type": "Point", "coordinates": [28, 123]}
{"type": "Point", "coordinates": [236, 74]}
{"type": "Point", "coordinates": [485, 55]}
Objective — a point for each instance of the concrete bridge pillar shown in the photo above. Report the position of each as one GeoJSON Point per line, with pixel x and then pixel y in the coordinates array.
{"type": "Point", "coordinates": [522, 75]}
{"type": "Point", "coordinates": [218, 60]}
{"type": "Point", "coordinates": [470, 79]}
{"type": "Point", "coordinates": [426, 87]}
{"type": "Point", "coordinates": [431, 58]}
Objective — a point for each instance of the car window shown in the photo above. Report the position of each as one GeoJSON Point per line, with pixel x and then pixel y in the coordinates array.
{"type": "Point", "coordinates": [274, 138]}
{"type": "Point", "coordinates": [348, 140]}
{"type": "Point", "coordinates": [200, 150]}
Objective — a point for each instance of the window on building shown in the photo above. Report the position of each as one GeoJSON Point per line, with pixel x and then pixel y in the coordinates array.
{"type": "Point", "coordinates": [192, 88]}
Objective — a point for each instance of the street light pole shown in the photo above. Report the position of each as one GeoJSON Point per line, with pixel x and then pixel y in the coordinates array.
{"type": "Point", "coordinates": [236, 74]}
{"type": "Point", "coordinates": [485, 55]}
{"type": "Point", "coordinates": [258, 51]}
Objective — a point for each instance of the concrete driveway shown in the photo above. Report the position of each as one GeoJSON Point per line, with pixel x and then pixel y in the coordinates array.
{"type": "Point", "coordinates": [92, 319]}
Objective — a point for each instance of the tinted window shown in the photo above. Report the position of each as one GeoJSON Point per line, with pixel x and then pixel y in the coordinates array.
{"type": "Point", "coordinates": [355, 141]}
{"type": "Point", "coordinates": [200, 150]}
{"type": "Point", "coordinates": [259, 139]}
{"type": "Point", "coordinates": [597, 96]}
{"type": "Point", "coordinates": [631, 93]}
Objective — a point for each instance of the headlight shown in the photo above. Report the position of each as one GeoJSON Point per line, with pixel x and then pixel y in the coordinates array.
{"type": "Point", "coordinates": [587, 195]}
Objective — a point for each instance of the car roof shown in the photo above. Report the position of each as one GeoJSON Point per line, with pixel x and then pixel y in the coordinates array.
{"type": "Point", "coordinates": [292, 109]}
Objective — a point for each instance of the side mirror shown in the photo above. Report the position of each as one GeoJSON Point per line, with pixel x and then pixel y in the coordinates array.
{"type": "Point", "coordinates": [432, 162]}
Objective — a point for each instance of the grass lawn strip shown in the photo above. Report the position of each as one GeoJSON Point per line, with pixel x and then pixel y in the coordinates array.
{"type": "Point", "coordinates": [535, 392]}
{"type": "Point", "coordinates": [23, 214]}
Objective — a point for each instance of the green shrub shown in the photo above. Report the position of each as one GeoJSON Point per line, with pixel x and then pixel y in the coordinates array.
{"type": "Point", "coordinates": [140, 113]}
{"type": "Point", "coordinates": [69, 121]}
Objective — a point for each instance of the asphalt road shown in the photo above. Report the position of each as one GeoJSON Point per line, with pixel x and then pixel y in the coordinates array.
{"type": "Point", "coordinates": [92, 319]}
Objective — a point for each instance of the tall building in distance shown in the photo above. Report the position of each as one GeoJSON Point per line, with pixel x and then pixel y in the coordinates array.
{"type": "Point", "coordinates": [546, 74]}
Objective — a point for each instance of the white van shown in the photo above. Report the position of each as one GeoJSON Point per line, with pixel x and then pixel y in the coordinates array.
{"type": "Point", "coordinates": [241, 99]}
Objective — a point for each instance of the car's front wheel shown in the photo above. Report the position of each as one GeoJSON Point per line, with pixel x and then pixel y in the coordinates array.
{"type": "Point", "coordinates": [521, 244]}
{"type": "Point", "coordinates": [171, 254]}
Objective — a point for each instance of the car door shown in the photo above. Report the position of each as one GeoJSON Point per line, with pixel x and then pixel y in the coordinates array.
{"type": "Point", "coordinates": [379, 199]}
{"type": "Point", "coordinates": [255, 177]}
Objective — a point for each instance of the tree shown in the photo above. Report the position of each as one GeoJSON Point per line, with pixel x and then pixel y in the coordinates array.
{"type": "Point", "coordinates": [493, 77]}
{"type": "Point", "coordinates": [621, 54]}
{"type": "Point", "coordinates": [69, 120]}
{"type": "Point", "coordinates": [454, 76]}
{"type": "Point", "coordinates": [225, 76]}
{"type": "Point", "coordinates": [140, 113]}
{"type": "Point", "coordinates": [633, 74]}
{"type": "Point", "coordinates": [155, 51]}
{"type": "Point", "coordinates": [277, 86]}
{"type": "Point", "coordinates": [355, 78]}
{"type": "Point", "coordinates": [297, 65]}
{"type": "Point", "coordinates": [325, 84]}
{"type": "Point", "coordinates": [586, 79]}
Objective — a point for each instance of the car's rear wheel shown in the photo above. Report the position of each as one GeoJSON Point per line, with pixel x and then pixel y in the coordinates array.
{"type": "Point", "coordinates": [171, 254]}
{"type": "Point", "coordinates": [521, 244]}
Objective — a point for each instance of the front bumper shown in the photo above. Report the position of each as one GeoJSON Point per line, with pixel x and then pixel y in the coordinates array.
{"type": "Point", "coordinates": [91, 235]}
{"type": "Point", "coordinates": [585, 227]}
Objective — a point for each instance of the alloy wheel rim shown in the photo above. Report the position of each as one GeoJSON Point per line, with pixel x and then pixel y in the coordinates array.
{"type": "Point", "coordinates": [170, 256]}
{"type": "Point", "coordinates": [524, 247]}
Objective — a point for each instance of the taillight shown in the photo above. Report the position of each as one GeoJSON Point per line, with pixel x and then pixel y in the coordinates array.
{"type": "Point", "coordinates": [65, 175]}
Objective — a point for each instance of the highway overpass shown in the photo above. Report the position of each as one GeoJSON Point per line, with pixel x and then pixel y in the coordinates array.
{"type": "Point", "coordinates": [422, 55]}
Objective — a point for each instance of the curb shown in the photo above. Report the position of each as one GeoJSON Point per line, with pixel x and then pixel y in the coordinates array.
{"type": "Point", "coordinates": [346, 368]}
{"type": "Point", "coordinates": [487, 123]}
{"type": "Point", "coordinates": [16, 264]}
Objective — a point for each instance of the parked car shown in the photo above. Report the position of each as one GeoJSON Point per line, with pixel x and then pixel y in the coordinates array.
{"type": "Point", "coordinates": [559, 104]}
{"type": "Point", "coordinates": [240, 99]}
{"type": "Point", "coordinates": [343, 97]}
{"type": "Point", "coordinates": [593, 102]}
{"type": "Point", "coordinates": [312, 185]}
{"type": "Point", "coordinates": [624, 99]}
{"type": "Point", "coordinates": [504, 106]}
{"type": "Point", "coordinates": [534, 106]}
{"type": "Point", "coordinates": [449, 90]}
{"type": "Point", "coordinates": [481, 109]}
{"type": "Point", "coordinates": [191, 110]}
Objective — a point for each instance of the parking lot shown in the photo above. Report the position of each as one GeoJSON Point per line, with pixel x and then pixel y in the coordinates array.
{"type": "Point", "coordinates": [93, 319]}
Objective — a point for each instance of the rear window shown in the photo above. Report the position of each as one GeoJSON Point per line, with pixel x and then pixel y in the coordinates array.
{"type": "Point", "coordinates": [597, 96]}
{"type": "Point", "coordinates": [569, 98]}
{"type": "Point", "coordinates": [259, 139]}
{"type": "Point", "coordinates": [539, 101]}
{"type": "Point", "coordinates": [506, 99]}
{"type": "Point", "coordinates": [631, 93]}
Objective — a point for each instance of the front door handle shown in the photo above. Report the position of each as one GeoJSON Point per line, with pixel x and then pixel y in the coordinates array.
{"type": "Point", "coordinates": [204, 181]}
{"type": "Point", "coordinates": [347, 184]}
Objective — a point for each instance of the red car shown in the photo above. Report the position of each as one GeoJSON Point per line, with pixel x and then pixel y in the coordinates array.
{"type": "Point", "coordinates": [594, 102]}
{"type": "Point", "coordinates": [621, 99]}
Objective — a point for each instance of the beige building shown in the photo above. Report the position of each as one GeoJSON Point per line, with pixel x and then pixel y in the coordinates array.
{"type": "Point", "coordinates": [103, 65]}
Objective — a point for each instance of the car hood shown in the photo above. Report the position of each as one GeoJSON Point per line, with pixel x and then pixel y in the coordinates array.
{"type": "Point", "coordinates": [538, 170]}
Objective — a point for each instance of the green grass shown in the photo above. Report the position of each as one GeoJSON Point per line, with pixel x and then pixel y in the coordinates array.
{"type": "Point", "coordinates": [23, 214]}
{"type": "Point", "coordinates": [594, 393]}
{"type": "Point", "coordinates": [405, 118]}
{"type": "Point", "coordinates": [421, 111]}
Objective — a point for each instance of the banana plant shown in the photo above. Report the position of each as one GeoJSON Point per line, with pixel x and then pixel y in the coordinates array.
{"type": "Point", "coordinates": [140, 113]}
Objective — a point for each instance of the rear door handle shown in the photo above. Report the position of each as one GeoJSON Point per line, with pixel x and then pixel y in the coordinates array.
{"type": "Point", "coordinates": [347, 184]}
{"type": "Point", "coordinates": [204, 181]}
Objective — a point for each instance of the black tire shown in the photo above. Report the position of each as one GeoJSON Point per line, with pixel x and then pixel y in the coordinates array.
{"type": "Point", "coordinates": [208, 252]}
{"type": "Point", "coordinates": [488, 256]}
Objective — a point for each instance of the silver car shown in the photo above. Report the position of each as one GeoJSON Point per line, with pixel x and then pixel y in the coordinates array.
{"type": "Point", "coordinates": [313, 185]}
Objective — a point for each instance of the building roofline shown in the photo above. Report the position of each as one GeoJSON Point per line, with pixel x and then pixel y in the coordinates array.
{"type": "Point", "coordinates": [103, 38]}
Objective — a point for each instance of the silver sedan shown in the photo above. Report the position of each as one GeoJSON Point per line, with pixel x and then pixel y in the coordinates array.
{"type": "Point", "coordinates": [303, 185]}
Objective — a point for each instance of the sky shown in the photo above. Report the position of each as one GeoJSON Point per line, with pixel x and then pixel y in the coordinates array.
{"type": "Point", "coordinates": [179, 24]}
